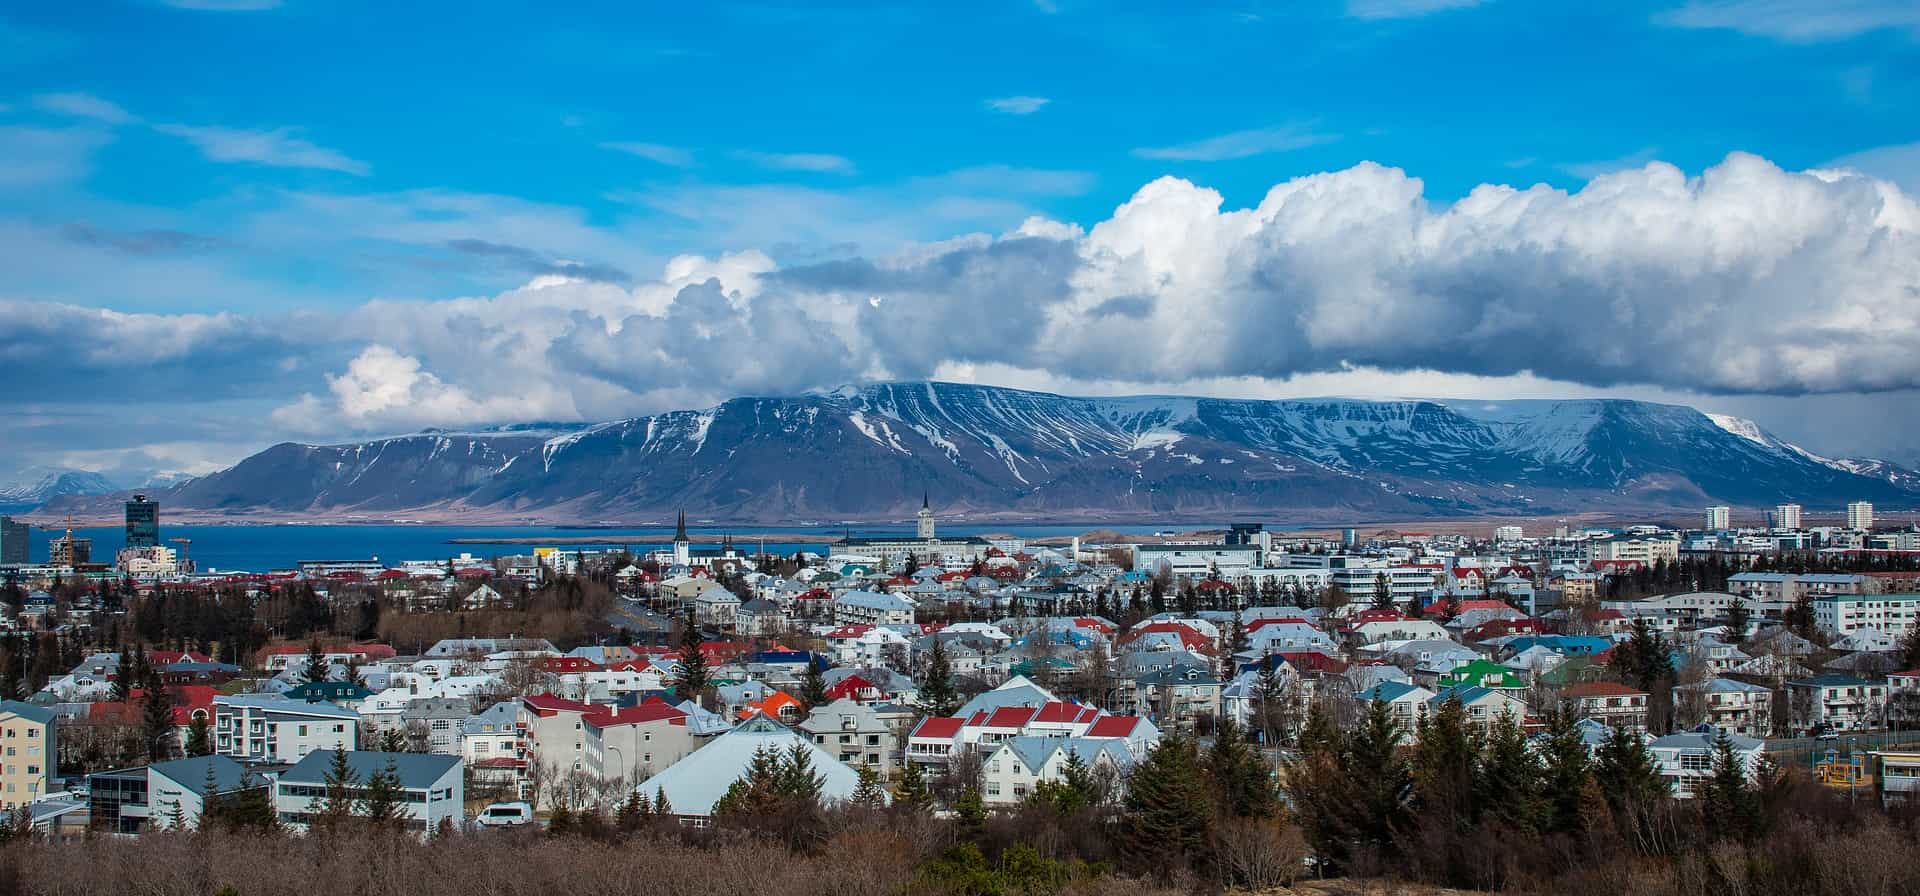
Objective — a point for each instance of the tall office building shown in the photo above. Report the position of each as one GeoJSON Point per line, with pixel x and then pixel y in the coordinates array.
{"type": "Point", "coordinates": [1719, 518]}
{"type": "Point", "coordinates": [70, 551]}
{"type": "Point", "coordinates": [1860, 516]}
{"type": "Point", "coordinates": [13, 540]}
{"type": "Point", "coordinates": [1786, 516]}
{"type": "Point", "coordinates": [143, 523]}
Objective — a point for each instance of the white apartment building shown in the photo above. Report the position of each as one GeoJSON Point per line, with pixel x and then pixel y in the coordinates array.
{"type": "Point", "coordinates": [1841, 702]}
{"type": "Point", "coordinates": [1843, 614]}
{"type": "Point", "coordinates": [1860, 516]}
{"type": "Point", "coordinates": [433, 788]}
{"type": "Point", "coordinates": [872, 608]}
{"type": "Point", "coordinates": [1786, 516]}
{"type": "Point", "coordinates": [1686, 759]}
{"type": "Point", "coordinates": [1645, 550]}
{"type": "Point", "coordinates": [271, 728]}
{"type": "Point", "coordinates": [1508, 533]}
{"type": "Point", "coordinates": [1719, 518]}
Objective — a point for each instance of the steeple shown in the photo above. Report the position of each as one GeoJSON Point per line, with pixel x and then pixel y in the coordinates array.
{"type": "Point", "coordinates": [680, 530]}
{"type": "Point", "coordinates": [926, 518]}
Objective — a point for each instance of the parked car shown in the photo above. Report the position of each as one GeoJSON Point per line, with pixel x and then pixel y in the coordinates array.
{"type": "Point", "coordinates": [505, 815]}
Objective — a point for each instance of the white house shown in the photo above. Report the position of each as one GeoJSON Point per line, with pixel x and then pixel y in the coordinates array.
{"type": "Point", "coordinates": [262, 728]}
{"type": "Point", "coordinates": [1685, 759]}
{"type": "Point", "coordinates": [432, 787]}
{"type": "Point", "coordinates": [695, 783]}
{"type": "Point", "coordinates": [1014, 766]}
{"type": "Point", "coordinates": [872, 608]}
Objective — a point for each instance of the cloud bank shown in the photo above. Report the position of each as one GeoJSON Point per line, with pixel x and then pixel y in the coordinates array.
{"type": "Point", "coordinates": [1745, 280]}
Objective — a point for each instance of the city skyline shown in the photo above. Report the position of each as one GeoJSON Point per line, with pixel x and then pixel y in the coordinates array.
{"type": "Point", "coordinates": [318, 233]}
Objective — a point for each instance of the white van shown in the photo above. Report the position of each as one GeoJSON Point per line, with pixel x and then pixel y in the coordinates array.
{"type": "Point", "coordinates": [505, 815]}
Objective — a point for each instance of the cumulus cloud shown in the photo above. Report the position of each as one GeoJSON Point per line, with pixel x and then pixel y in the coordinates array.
{"type": "Point", "coordinates": [1744, 280]}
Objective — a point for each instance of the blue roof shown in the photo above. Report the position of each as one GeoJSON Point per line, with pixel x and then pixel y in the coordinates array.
{"type": "Point", "coordinates": [417, 771]}
{"type": "Point", "coordinates": [1387, 691]}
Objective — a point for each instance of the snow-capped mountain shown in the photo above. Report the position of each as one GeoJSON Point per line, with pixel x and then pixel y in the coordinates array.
{"type": "Point", "coordinates": [37, 485]}
{"type": "Point", "coordinates": [871, 452]}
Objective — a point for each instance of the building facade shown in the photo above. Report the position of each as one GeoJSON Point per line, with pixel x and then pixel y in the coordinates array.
{"type": "Point", "coordinates": [261, 728]}
{"type": "Point", "coordinates": [143, 523]}
{"type": "Point", "coordinates": [30, 736]}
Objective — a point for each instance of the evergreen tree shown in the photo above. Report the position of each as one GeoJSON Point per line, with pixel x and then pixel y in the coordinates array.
{"type": "Point", "coordinates": [1738, 618]}
{"type": "Point", "coordinates": [910, 789]}
{"type": "Point", "coordinates": [355, 676]}
{"type": "Point", "coordinates": [1167, 814]}
{"type": "Point", "coordinates": [199, 739]}
{"type": "Point", "coordinates": [813, 685]}
{"type": "Point", "coordinates": [661, 808]}
{"type": "Point", "coordinates": [340, 799]}
{"type": "Point", "coordinates": [156, 723]}
{"type": "Point", "coordinates": [123, 675]}
{"type": "Point", "coordinates": [694, 675]}
{"type": "Point", "coordinates": [1242, 783]}
{"type": "Point", "coordinates": [1318, 735]}
{"type": "Point", "coordinates": [1507, 781]}
{"type": "Point", "coordinates": [382, 806]}
{"type": "Point", "coordinates": [1383, 782]}
{"type": "Point", "coordinates": [1443, 767]}
{"type": "Point", "coordinates": [937, 694]}
{"type": "Point", "coordinates": [1909, 657]}
{"type": "Point", "coordinates": [633, 812]}
{"type": "Point", "coordinates": [1564, 775]}
{"type": "Point", "coordinates": [1382, 593]}
{"type": "Point", "coordinates": [1626, 774]}
{"type": "Point", "coordinates": [868, 793]}
{"type": "Point", "coordinates": [969, 814]}
{"type": "Point", "coordinates": [798, 780]}
{"type": "Point", "coordinates": [1728, 803]}
{"type": "Point", "coordinates": [1073, 792]}
{"type": "Point", "coordinates": [316, 670]}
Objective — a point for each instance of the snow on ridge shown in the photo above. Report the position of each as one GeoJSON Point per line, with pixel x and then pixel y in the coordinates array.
{"type": "Point", "coordinates": [1746, 429]}
{"type": "Point", "coordinates": [1156, 438]}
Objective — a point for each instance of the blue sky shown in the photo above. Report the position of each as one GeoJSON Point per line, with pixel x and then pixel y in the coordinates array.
{"type": "Point", "coordinates": [286, 164]}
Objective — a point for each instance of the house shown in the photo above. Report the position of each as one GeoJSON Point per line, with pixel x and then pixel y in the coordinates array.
{"type": "Point", "coordinates": [1610, 702]}
{"type": "Point", "coordinates": [263, 728]}
{"type": "Point", "coordinates": [432, 788]}
{"type": "Point", "coordinates": [1482, 673]}
{"type": "Point", "coordinates": [716, 607]}
{"type": "Point", "coordinates": [760, 617]}
{"type": "Point", "coordinates": [1177, 695]}
{"type": "Point", "coordinates": [1840, 702]}
{"type": "Point", "coordinates": [696, 782]}
{"type": "Point", "coordinates": [1898, 772]}
{"type": "Point", "coordinates": [1483, 706]}
{"type": "Point", "coordinates": [855, 734]}
{"type": "Point", "coordinates": [872, 608]}
{"type": "Point", "coordinates": [1727, 704]}
{"type": "Point", "coordinates": [488, 744]}
{"type": "Point", "coordinates": [1686, 759]}
{"type": "Point", "coordinates": [30, 735]}
{"type": "Point", "coordinates": [633, 743]}
{"type": "Point", "coordinates": [164, 795]}
{"type": "Point", "coordinates": [1406, 703]}
{"type": "Point", "coordinates": [1011, 770]}
{"type": "Point", "coordinates": [554, 733]}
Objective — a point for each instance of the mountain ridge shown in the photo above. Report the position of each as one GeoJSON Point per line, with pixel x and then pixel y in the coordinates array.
{"type": "Point", "coordinates": [870, 452]}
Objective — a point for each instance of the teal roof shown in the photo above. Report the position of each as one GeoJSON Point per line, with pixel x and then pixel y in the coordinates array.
{"type": "Point", "coordinates": [417, 771]}
{"type": "Point", "coordinates": [29, 711]}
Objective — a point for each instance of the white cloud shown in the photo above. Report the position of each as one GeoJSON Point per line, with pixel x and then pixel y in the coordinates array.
{"type": "Point", "coordinates": [1018, 105]}
{"type": "Point", "coordinates": [277, 147]}
{"type": "Point", "coordinates": [799, 161]}
{"type": "Point", "coordinates": [653, 152]}
{"type": "Point", "coordinates": [1238, 145]}
{"type": "Point", "coordinates": [83, 105]}
{"type": "Point", "coordinates": [1403, 9]}
{"type": "Point", "coordinates": [1899, 164]}
{"type": "Point", "coordinates": [1796, 20]}
{"type": "Point", "coordinates": [38, 157]}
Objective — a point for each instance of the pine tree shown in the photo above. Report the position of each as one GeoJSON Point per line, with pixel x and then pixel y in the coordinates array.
{"type": "Point", "coordinates": [199, 739]}
{"type": "Point", "coordinates": [813, 686]}
{"type": "Point", "coordinates": [1728, 803]}
{"type": "Point", "coordinates": [910, 789]}
{"type": "Point", "coordinates": [1318, 735]}
{"type": "Point", "coordinates": [937, 694]}
{"type": "Point", "coordinates": [382, 806]}
{"type": "Point", "coordinates": [1507, 781]}
{"type": "Point", "coordinates": [1626, 774]}
{"type": "Point", "coordinates": [1167, 814]}
{"type": "Point", "coordinates": [1443, 767]}
{"type": "Point", "coordinates": [661, 808]}
{"type": "Point", "coordinates": [694, 675]}
{"type": "Point", "coordinates": [1382, 593]}
{"type": "Point", "coordinates": [156, 722]}
{"type": "Point", "coordinates": [868, 794]}
{"type": "Point", "coordinates": [1738, 618]}
{"type": "Point", "coordinates": [970, 814]}
{"type": "Point", "coordinates": [316, 671]}
{"type": "Point", "coordinates": [1242, 783]}
{"type": "Point", "coordinates": [633, 812]}
{"type": "Point", "coordinates": [123, 675]}
{"type": "Point", "coordinates": [797, 778]}
{"type": "Point", "coordinates": [1565, 775]}
{"type": "Point", "coordinates": [340, 799]}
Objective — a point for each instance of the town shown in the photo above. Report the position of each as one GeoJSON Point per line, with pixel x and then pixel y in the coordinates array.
{"type": "Point", "coordinates": [969, 678]}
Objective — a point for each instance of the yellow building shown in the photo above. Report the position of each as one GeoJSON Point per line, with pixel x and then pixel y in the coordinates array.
{"type": "Point", "coordinates": [27, 753]}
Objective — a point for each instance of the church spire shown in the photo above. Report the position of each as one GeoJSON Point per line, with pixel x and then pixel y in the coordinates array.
{"type": "Point", "coordinates": [680, 530]}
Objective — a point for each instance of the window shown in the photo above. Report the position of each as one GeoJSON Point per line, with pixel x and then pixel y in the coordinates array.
{"type": "Point", "coordinates": [1696, 762]}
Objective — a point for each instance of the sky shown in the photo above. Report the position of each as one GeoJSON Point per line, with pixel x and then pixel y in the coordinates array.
{"type": "Point", "coordinates": [229, 223]}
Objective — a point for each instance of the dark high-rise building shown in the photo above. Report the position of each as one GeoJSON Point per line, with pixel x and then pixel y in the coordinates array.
{"type": "Point", "coordinates": [13, 540]}
{"type": "Point", "coordinates": [143, 523]}
{"type": "Point", "coordinates": [1244, 533]}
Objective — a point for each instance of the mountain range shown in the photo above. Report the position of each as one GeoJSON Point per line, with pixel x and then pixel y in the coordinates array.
{"type": "Point", "coordinates": [873, 452]}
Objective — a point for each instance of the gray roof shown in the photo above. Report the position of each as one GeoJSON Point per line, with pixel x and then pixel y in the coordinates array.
{"type": "Point", "coordinates": [280, 703]}
{"type": "Point", "coordinates": [498, 719]}
{"type": "Point", "coordinates": [417, 771]}
{"type": "Point", "coordinates": [874, 601]}
{"type": "Point", "coordinates": [228, 775]}
{"type": "Point", "coordinates": [28, 711]}
{"type": "Point", "coordinates": [698, 781]}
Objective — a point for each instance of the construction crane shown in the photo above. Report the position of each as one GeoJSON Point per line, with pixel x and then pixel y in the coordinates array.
{"type": "Point", "coordinates": [186, 553]}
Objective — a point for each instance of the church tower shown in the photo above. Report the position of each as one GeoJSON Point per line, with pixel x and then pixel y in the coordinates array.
{"type": "Point", "coordinates": [682, 545]}
{"type": "Point", "coordinates": [926, 518]}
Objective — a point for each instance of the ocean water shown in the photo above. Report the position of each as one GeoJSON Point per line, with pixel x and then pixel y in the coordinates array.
{"type": "Point", "coordinates": [266, 548]}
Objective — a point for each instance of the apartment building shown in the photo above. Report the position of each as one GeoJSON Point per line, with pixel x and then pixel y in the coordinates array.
{"type": "Point", "coordinates": [1843, 614]}
{"type": "Point", "coordinates": [271, 728]}
{"type": "Point", "coordinates": [29, 735]}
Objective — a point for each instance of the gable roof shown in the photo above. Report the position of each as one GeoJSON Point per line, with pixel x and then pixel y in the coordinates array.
{"type": "Point", "coordinates": [416, 770]}
{"type": "Point", "coordinates": [698, 781]}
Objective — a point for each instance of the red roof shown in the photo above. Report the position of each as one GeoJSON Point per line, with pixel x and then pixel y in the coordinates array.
{"type": "Point", "coordinates": [1480, 604]}
{"type": "Point", "coordinates": [639, 715]}
{"type": "Point", "coordinates": [1063, 713]}
{"type": "Point", "coordinates": [1114, 726]}
{"type": "Point", "coordinates": [850, 688]}
{"type": "Point", "coordinates": [169, 657]}
{"type": "Point", "coordinates": [549, 704]}
{"type": "Point", "coordinates": [389, 575]}
{"type": "Point", "coordinates": [1312, 661]}
{"type": "Point", "coordinates": [187, 699]}
{"type": "Point", "coordinates": [938, 727]}
{"type": "Point", "coordinates": [1259, 624]}
{"type": "Point", "coordinates": [567, 664]}
{"type": "Point", "coordinates": [1011, 717]}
